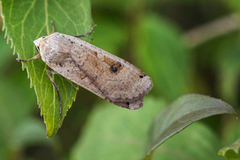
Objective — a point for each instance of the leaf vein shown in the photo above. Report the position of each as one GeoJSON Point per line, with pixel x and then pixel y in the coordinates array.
{"type": "Point", "coordinates": [66, 13]}
{"type": "Point", "coordinates": [46, 16]}
{"type": "Point", "coordinates": [24, 19]}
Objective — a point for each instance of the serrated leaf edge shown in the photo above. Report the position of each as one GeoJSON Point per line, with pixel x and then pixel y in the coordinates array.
{"type": "Point", "coordinates": [4, 29]}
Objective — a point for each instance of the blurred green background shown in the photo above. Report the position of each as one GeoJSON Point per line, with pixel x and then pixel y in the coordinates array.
{"type": "Point", "coordinates": [187, 46]}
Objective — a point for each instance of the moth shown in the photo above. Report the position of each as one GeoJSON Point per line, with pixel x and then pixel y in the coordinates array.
{"type": "Point", "coordinates": [92, 68]}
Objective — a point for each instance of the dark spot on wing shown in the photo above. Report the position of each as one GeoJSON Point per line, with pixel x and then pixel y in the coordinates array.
{"type": "Point", "coordinates": [115, 67]}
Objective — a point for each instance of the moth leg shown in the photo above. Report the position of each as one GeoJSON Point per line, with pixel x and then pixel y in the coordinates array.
{"type": "Point", "coordinates": [49, 70]}
{"type": "Point", "coordinates": [26, 60]}
{"type": "Point", "coordinates": [53, 28]}
{"type": "Point", "coordinates": [84, 35]}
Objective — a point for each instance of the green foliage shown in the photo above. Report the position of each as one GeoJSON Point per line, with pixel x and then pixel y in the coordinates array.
{"type": "Point", "coordinates": [197, 142]}
{"type": "Point", "coordinates": [148, 34]}
{"type": "Point", "coordinates": [175, 117]}
{"type": "Point", "coordinates": [231, 151]}
{"type": "Point", "coordinates": [110, 130]}
{"type": "Point", "coordinates": [24, 26]}
{"type": "Point", "coordinates": [154, 51]}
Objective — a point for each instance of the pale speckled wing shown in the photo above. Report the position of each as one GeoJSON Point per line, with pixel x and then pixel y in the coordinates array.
{"type": "Point", "coordinates": [126, 85]}
{"type": "Point", "coordinates": [89, 67]}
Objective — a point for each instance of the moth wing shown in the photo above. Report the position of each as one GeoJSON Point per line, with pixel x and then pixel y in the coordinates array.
{"type": "Point", "coordinates": [128, 84]}
{"type": "Point", "coordinates": [131, 105]}
{"type": "Point", "coordinates": [55, 52]}
{"type": "Point", "coordinates": [70, 71]}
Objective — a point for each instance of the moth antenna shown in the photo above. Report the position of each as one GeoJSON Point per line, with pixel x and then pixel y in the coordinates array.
{"type": "Point", "coordinates": [53, 28]}
{"type": "Point", "coordinates": [84, 35]}
{"type": "Point", "coordinates": [49, 70]}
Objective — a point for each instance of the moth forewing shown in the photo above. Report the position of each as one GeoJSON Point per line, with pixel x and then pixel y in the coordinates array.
{"type": "Point", "coordinates": [96, 70]}
{"type": "Point", "coordinates": [126, 85]}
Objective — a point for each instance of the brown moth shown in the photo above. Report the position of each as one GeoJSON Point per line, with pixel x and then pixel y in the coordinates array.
{"type": "Point", "coordinates": [94, 69]}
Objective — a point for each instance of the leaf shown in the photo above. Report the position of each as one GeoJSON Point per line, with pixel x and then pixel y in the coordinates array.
{"type": "Point", "coordinates": [114, 133]}
{"type": "Point", "coordinates": [12, 93]}
{"type": "Point", "coordinates": [17, 131]}
{"type": "Point", "coordinates": [196, 142]}
{"type": "Point", "coordinates": [26, 21]}
{"type": "Point", "coordinates": [110, 132]}
{"type": "Point", "coordinates": [231, 151]}
{"type": "Point", "coordinates": [231, 132]}
{"type": "Point", "coordinates": [180, 114]}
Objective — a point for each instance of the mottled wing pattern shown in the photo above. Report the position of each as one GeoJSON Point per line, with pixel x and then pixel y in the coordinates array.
{"type": "Point", "coordinates": [124, 83]}
{"type": "Point", "coordinates": [90, 67]}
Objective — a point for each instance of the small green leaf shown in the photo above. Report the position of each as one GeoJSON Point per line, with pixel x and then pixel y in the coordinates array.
{"type": "Point", "coordinates": [180, 114]}
{"type": "Point", "coordinates": [231, 151]}
{"type": "Point", "coordinates": [24, 22]}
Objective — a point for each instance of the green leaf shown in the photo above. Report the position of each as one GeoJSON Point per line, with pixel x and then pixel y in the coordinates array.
{"type": "Point", "coordinates": [231, 151]}
{"type": "Point", "coordinates": [12, 93]}
{"type": "Point", "coordinates": [196, 142]}
{"type": "Point", "coordinates": [110, 132]}
{"type": "Point", "coordinates": [180, 114]}
{"type": "Point", "coordinates": [114, 133]}
{"type": "Point", "coordinates": [231, 132]}
{"type": "Point", "coordinates": [25, 21]}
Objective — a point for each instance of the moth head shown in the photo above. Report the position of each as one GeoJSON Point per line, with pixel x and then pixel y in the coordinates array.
{"type": "Point", "coordinates": [37, 43]}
